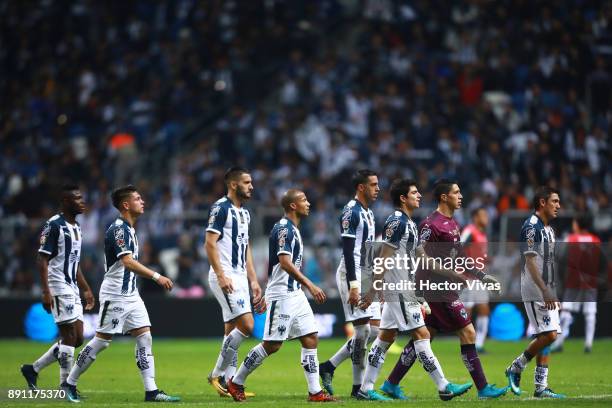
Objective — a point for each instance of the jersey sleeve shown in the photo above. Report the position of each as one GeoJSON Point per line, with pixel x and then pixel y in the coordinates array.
{"type": "Point", "coordinates": [49, 239]}
{"type": "Point", "coordinates": [427, 234]}
{"type": "Point", "coordinates": [284, 237]}
{"type": "Point", "coordinates": [394, 229]}
{"type": "Point", "coordinates": [216, 219]}
{"type": "Point", "coordinates": [529, 240]}
{"type": "Point", "coordinates": [349, 223]}
{"type": "Point", "coordinates": [119, 241]}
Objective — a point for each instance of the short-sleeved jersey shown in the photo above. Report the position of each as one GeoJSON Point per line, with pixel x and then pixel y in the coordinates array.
{"type": "Point", "coordinates": [401, 233]}
{"type": "Point", "coordinates": [539, 240]}
{"type": "Point", "coordinates": [584, 261]}
{"type": "Point", "coordinates": [232, 225]}
{"type": "Point", "coordinates": [441, 238]}
{"type": "Point", "coordinates": [62, 242]}
{"type": "Point", "coordinates": [285, 239]}
{"type": "Point", "coordinates": [357, 222]}
{"type": "Point", "coordinates": [119, 282]}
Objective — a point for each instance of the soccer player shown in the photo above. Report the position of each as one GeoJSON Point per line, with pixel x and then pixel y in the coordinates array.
{"type": "Point", "coordinates": [439, 235]}
{"type": "Point", "coordinates": [121, 308]}
{"type": "Point", "coordinates": [476, 301]}
{"type": "Point", "coordinates": [61, 277]}
{"type": "Point", "coordinates": [584, 263]}
{"type": "Point", "coordinates": [538, 291]}
{"type": "Point", "coordinates": [402, 312]}
{"type": "Point", "coordinates": [289, 313]}
{"type": "Point", "coordinates": [356, 228]}
{"type": "Point", "coordinates": [232, 272]}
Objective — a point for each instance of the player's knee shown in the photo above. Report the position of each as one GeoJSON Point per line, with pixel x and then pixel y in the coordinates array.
{"type": "Point", "coordinates": [421, 334]}
{"type": "Point", "coordinates": [272, 347]}
{"type": "Point", "coordinates": [549, 337]}
{"type": "Point", "coordinates": [467, 334]}
{"type": "Point", "coordinates": [79, 340]}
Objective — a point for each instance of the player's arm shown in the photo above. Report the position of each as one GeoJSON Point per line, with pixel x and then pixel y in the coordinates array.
{"type": "Point", "coordinates": [532, 268]}
{"type": "Point", "coordinates": [139, 269]}
{"type": "Point", "coordinates": [348, 226]}
{"type": "Point", "coordinates": [259, 303]}
{"type": "Point", "coordinates": [212, 251]}
{"type": "Point", "coordinates": [288, 266]}
{"type": "Point", "coordinates": [43, 268]}
{"type": "Point", "coordinates": [90, 300]}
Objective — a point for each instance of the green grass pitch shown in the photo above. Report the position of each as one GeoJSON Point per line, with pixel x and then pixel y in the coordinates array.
{"type": "Point", "coordinates": [182, 366]}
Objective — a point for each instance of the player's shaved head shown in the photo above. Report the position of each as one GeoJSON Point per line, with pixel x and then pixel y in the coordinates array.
{"type": "Point", "coordinates": [121, 194]}
{"type": "Point", "coordinates": [289, 198]}
{"type": "Point", "coordinates": [234, 173]}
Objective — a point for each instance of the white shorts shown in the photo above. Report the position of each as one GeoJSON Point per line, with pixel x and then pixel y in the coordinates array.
{"type": "Point", "coordinates": [402, 315]}
{"type": "Point", "coordinates": [232, 304]}
{"type": "Point", "coordinates": [542, 319]}
{"type": "Point", "coordinates": [352, 313]}
{"type": "Point", "coordinates": [289, 318]}
{"type": "Point", "coordinates": [67, 309]}
{"type": "Point", "coordinates": [471, 298]}
{"type": "Point", "coordinates": [118, 316]}
{"type": "Point", "coordinates": [575, 300]}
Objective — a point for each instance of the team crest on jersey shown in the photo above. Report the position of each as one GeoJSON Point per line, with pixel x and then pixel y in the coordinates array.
{"type": "Point", "coordinates": [282, 330]}
{"type": "Point", "coordinates": [213, 215]}
{"type": "Point", "coordinates": [346, 219]}
{"type": "Point", "coordinates": [530, 238]}
{"type": "Point", "coordinates": [463, 313]}
{"type": "Point", "coordinates": [45, 234]}
{"type": "Point", "coordinates": [241, 303]}
{"type": "Point", "coordinates": [69, 308]}
{"type": "Point", "coordinates": [425, 234]}
{"type": "Point", "coordinates": [546, 320]}
{"type": "Point", "coordinates": [282, 236]}
{"type": "Point", "coordinates": [391, 228]}
{"type": "Point", "coordinates": [120, 238]}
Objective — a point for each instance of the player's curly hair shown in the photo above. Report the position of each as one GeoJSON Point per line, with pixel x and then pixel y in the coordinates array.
{"type": "Point", "coordinates": [121, 194]}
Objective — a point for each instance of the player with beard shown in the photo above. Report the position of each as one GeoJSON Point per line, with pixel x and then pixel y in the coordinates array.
{"type": "Point", "coordinates": [232, 272]}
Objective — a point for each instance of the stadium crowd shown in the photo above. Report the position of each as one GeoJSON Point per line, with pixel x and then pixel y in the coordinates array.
{"type": "Point", "coordinates": [501, 95]}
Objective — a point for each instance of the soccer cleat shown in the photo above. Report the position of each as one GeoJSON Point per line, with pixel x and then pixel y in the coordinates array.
{"type": "Point", "coordinates": [236, 391]}
{"type": "Point", "coordinates": [31, 376]}
{"type": "Point", "coordinates": [371, 395]}
{"type": "Point", "coordinates": [218, 383]}
{"type": "Point", "coordinates": [394, 391]}
{"type": "Point", "coordinates": [159, 396]}
{"type": "Point", "coordinates": [481, 350]}
{"type": "Point", "coordinates": [454, 390]}
{"type": "Point", "coordinates": [321, 396]}
{"type": "Point", "coordinates": [355, 390]}
{"type": "Point", "coordinates": [327, 376]}
{"type": "Point", "coordinates": [587, 350]}
{"type": "Point", "coordinates": [547, 393]}
{"type": "Point", "coordinates": [514, 381]}
{"type": "Point", "coordinates": [71, 392]}
{"type": "Point", "coordinates": [491, 391]}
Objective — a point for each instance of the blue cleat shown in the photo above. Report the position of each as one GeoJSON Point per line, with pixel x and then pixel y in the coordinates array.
{"type": "Point", "coordinates": [454, 390]}
{"type": "Point", "coordinates": [548, 393]}
{"type": "Point", "coordinates": [72, 395]}
{"type": "Point", "coordinates": [394, 391]}
{"type": "Point", "coordinates": [159, 396]}
{"type": "Point", "coordinates": [327, 377]}
{"type": "Point", "coordinates": [514, 381]}
{"type": "Point", "coordinates": [491, 391]}
{"type": "Point", "coordinates": [371, 396]}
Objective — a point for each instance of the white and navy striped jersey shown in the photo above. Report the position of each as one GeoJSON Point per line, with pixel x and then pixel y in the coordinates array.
{"type": "Point", "coordinates": [119, 282]}
{"type": "Point", "coordinates": [285, 238]}
{"type": "Point", "coordinates": [357, 222]}
{"type": "Point", "coordinates": [232, 225]}
{"type": "Point", "coordinates": [62, 242]}
{"type": "Point", "coordinates": [539, 240]}
{"type": "Point", "coordinates": [401, 233]}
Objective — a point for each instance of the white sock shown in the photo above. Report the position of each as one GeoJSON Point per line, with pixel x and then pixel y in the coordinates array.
{"type": "Point", "coordinates": [519, 364]}
{"type": "Point", "coordinates": [229, 349]}
{"type": "Point", "coordinates": [145, 360]}
{"type": "Point", "coordinates": [374, 330]}
{"type": "Point", "coordinates": [65, 358]}
{"type": "Point", "coordinates": [253, 360]}
{"type": "Point", "coordinates": [86, 357]}
{"type": "Point", "coordinates": [358, 352]}
{"type": "Point", "coordinates": [47, 358]}
{"type": "Point", "coordinates": [376, 358]}
{"type": "Point", "coordinates": [540, 377]}
{"type": "Point", "coordinates": [310, 363]}
{"type": "Point", "coordinates": [231, 369]}
{"type": "Point", "coordinates": [566, 320]}
{"type": "Point", "coordinates": [342, 354]}
{"type": "Point", "coordinates": [482, 328]}
{"type": "Point", "coordinates": [430, 363]}
{"type": "Point", "coordinates": [589, 329]}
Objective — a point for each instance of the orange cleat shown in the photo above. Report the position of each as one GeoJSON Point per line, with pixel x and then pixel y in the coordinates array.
{"type": "Point", "coordinates": [236, 391]}
{"type": "Point", "coordinates": [321, 396]}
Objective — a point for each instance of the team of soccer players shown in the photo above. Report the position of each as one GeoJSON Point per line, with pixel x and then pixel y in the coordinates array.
{"type": "Point", "coordinates": [233, 281]}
